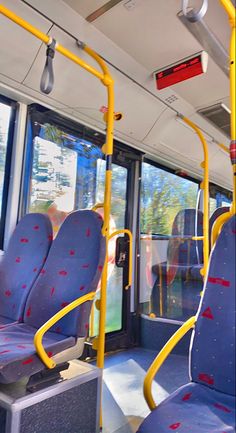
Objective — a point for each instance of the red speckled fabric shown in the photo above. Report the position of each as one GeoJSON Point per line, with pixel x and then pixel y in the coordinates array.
{"type": "Point", "coordinates": [23, 260]}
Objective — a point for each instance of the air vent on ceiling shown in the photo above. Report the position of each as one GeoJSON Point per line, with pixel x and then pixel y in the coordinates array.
{"type": "Point", "coordinates": [171, 99]}
{"type": "Point", "coordinates": [219, 115]}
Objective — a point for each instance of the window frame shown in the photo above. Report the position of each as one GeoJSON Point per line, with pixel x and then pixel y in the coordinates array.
{"type": "Point", "coordinates": [216, 189]}
{"type": "Point", "coordinates": [7, 172]}
{"type": "Point", "coordinates": [168, 170]}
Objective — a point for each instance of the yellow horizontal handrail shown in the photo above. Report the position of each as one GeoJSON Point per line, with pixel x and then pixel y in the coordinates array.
{"type": "Point", "coordinates": [197, 238]}
{"type": "Point", "coordinates": [161, 357]}
{"type": "Point", "coordinates": [224, 147]}
{"type": "Point", "coordinates": [97, 206]}
{"type": "Point", "coordinates": [46, 326]}
{"type": "Point", "coordinates": [64, 51]}
{"type": "Point", "coordinates": [127, 232]}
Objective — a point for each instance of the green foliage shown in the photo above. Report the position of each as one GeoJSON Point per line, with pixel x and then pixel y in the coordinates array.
{"type": "Point", "coordinates": [163, 195]}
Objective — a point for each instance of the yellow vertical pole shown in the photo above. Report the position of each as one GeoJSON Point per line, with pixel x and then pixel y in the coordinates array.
{"type": "Point", "coordinates": [205, 187]}
{"type": "Point", "coordinates": [233, 113]}
{"type": "Point", "coordinates": [108, 150]}
{"type": "Point", "coordinates": [231, 12]}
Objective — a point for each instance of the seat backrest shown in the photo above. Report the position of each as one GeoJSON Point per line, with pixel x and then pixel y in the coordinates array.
{"type": "Point", "coordinates": [22, 262]}
{"type": "Point", "coordinates": [219, 211]}
{"type": "Point", "coordinates": [73, 269]}
{"type": "Point", "coordinates": [186, 252]}
{"type": "Point", "coordinates": [213, 341]}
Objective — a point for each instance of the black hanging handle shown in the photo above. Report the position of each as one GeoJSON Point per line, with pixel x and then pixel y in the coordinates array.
{"type": "Point", "coordinates": [47, 79]}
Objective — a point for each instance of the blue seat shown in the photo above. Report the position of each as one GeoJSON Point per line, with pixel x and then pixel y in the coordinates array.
{"type": "Point", "coordinates": [73, 268]}
{"type": "Point", "coordinates": [217, 212]}
{"type": "Point", "coordinates": [21, 264]}
{"type": "Point", "coordinates": [184, 261]}
{"type": "Point", "coordinates": [207, 403]}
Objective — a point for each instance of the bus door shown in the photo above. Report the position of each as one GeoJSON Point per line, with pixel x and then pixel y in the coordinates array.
{"type": "Point", "coordinates": [118, 321]}
{"type": "Point", "coordinates": [65, 170]}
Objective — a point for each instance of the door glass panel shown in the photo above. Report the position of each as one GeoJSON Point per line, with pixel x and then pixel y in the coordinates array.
{"type": "Point", "coordinates": [68, 173]}
{"type": "Point", "coordinates": [117, 221]}
{"type": "Point", "coordinates": [170, 282]}
{"type": "Point", "coordinates": [5, 114]}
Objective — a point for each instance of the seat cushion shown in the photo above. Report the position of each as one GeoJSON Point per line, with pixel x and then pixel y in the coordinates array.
{"type": "Point", "coordinates": [17, 352]}
{"type": "Point", "coordinates": [4, 322]}
{"type": "Point", "coordinates": [193, 408]}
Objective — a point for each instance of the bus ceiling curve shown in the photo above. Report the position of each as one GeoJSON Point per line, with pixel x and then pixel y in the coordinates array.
{"type": "Point", "coordinates": [193, 16]}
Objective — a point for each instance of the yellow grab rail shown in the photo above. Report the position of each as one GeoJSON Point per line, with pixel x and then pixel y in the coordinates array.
{"type": "Point", "coordinates": [161, 357]}
{"type": "Point", "coordinates": [127, 232]}
{"type": "Point", "coordinates": [38, 338]}
{"type": "Point", "coordinates": [218, 224]}
{"type": "Point", "coordinates": [223, 147]}
{"type": "Point", "coordinates": [229, 8]}
{"type": "Point", "coordinates": [205, 187]}
{"type": "Point", "coordinates": [97, 206]}
{"type": "Point", "coordinates": [231, 11]}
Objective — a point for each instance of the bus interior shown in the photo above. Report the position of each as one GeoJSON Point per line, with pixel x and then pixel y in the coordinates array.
{"type": "Point", "coordinates": [117, 216]}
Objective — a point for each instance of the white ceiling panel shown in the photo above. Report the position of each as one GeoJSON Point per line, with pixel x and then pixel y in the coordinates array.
{"type": "Point", "coordinates": [21, 93]}
{"type": "Point", "coordinates": [77, 89]}
{"type": "Point", "coordinates": [206, 89]}
{"type": "Point", "coordinates": [153, 35]}
{"type": "Point", "coordinates": [18, 48]}
{"type": "Point", "coordinates": [85, 7]}
{"type": "Point", "coordinates": [73, 86]}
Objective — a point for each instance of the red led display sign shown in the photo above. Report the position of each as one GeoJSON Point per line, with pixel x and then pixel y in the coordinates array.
{"type": "Point", "coordinates": [181, 71]}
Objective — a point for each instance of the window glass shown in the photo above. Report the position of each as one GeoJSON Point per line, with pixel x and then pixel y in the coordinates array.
{"type": "Point", "coordinates": [163, 195]}
{"type": "Point", "coordinates": [219, 200]}
{"type": "Point", "coordinates": [117, 221]}
{"type": "Point", "coordinates": [5, 120]}
{"type": "Point", "coordinates": [170, 280]}
{"type": "Point", "coordinates": [68, 173]}
{"type": "Point", "coordinates": [63, 175]}
{"type": "Point", "coordinates": [213, 205]}
{"type": "Point", "coordinates": [5, 113]}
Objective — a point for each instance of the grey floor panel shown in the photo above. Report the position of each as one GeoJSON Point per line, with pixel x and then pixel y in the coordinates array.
{"type": "Point", "coordinates": [124, 406]}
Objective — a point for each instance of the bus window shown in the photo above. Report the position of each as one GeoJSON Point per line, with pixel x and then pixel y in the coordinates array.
{"type": "Point", "coordinates": [167, 203]}
{"type": "Point", "coordinates": [6, 133]}
{"type": "Point", "coordinates": [63, 175]}
{"type": "Point", "coordinates": [219, 198]}
{"type": "Point", "coordinates": [213, 205]}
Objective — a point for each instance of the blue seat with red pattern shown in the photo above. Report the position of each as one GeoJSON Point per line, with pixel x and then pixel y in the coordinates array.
{"type": "Point", "coordinates": [23, 260]}
{"type": "Point", "coordinates": [182, 268]}
{"type": "Point", "coordinates": [73, 268]}
{"type": "Point", "coordinates": [207, 403]}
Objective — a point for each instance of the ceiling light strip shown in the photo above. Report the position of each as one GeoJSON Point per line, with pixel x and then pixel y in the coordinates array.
{"type": "Point", "coordinates": [102, 10]}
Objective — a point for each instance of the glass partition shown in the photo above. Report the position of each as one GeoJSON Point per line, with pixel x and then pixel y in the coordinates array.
{"type": "Point", "coordinates": [7, 116]}
{"type": "Point", "coordinates": [170, 280]}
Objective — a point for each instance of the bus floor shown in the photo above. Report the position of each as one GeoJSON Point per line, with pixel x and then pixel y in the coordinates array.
{"type": "Point", "coordinates": [124, 406]}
